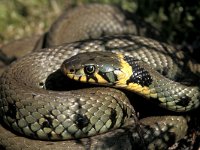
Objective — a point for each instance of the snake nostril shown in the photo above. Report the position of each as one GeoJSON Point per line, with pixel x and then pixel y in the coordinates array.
{"type": "Point", "coordinates": [41, 84]}
{"type": "Point", "coordinates": [71, 70]}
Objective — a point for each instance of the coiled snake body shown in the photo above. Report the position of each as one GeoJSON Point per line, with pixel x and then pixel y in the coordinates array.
{"type": "Point", "coordinates": [30, 106]}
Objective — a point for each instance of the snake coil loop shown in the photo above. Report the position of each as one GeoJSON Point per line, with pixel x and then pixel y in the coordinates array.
{"type": "Point", "coordinates": [31, 108]}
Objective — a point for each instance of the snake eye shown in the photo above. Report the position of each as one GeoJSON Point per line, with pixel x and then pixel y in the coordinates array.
{"type": "Point", "coordinates": [90, 69]}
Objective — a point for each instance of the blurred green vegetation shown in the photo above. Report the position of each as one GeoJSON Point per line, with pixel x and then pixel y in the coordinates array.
{"type": "Point", "coordinates": [21, 18]}
{"type": "Point", "coordinates": [178, 21]}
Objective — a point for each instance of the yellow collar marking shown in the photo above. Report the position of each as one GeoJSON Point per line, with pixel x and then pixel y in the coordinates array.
{"type": "Point", "coordinates": [126, 73]}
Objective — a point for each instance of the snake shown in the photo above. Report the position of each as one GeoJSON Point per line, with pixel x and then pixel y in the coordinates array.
{"type": "Point", "coordinates": [79, 118]}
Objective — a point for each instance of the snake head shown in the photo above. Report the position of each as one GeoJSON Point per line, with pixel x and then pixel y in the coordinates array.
{"type": "Point", "coordinates": [103, 68]}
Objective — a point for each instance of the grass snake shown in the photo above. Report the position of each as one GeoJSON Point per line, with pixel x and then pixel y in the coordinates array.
{"type": "Point", "coordinates": [30, 105]}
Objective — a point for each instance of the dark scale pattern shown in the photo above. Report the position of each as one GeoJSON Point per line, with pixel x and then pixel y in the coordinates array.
{"type": "Point", "coordinates": [12, 111]}
{"type": "Point", "coordinates": [140, 75]}
{"type": "Point", "coordinates": [113, 118]}
{"type": "Point", "coordinates": [184, 101]}
{"type": "Point", "coordinates": [81, 121]}
{"type": "Point", "coordinates": [48, 122]}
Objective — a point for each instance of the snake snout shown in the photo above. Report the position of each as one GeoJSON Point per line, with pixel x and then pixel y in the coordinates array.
{"type": "Point", "coordinates": [67, 67]}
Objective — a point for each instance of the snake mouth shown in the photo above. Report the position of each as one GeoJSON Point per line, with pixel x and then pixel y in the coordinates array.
{"type": "Point", "coordinates": [68, 72]}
